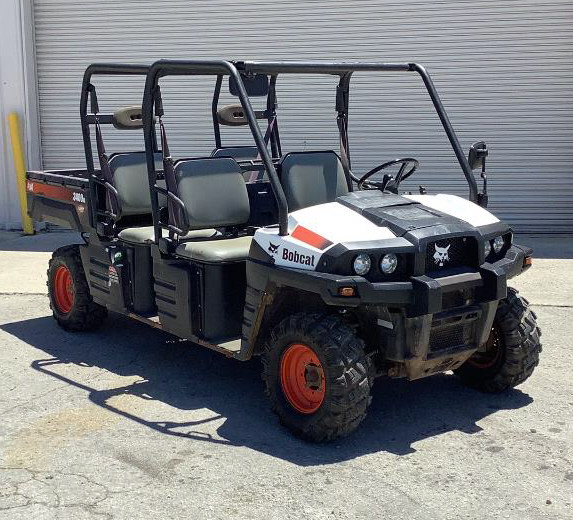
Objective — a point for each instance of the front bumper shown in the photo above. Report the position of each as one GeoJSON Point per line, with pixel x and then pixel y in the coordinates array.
{"type": "Point", "coordinates": [422, 326]}
{"type": "Point", "coordinates": [420, 295]}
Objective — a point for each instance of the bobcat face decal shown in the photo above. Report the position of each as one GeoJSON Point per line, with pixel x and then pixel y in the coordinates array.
{"type": "Point", "coordinates": [273, 248]}
{"type": "Point", "coordinates": [441, 255]}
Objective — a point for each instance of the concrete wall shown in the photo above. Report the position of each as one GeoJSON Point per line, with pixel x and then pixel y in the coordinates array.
{"type": "Point", "coordinates": [17, 94]}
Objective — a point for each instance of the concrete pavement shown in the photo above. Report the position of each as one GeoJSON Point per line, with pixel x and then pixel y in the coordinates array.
{"type": "Point", "coordinates": [130, 423]}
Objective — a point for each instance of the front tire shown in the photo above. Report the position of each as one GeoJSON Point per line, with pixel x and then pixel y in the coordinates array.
{"type": "Point", "coordinates": [511, 352]}
{"type": "Point", "coordinates": [70, 298]}
{"type": "Point", "coordinates": [318, 377]}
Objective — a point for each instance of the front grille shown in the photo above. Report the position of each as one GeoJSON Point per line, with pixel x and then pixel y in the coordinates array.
{"type": "Point", "coordinates": [451, 252]}
{"type": "Point", "coordinates": [447, 338]}
{"type": "Point", "coordinates": [452, 331]}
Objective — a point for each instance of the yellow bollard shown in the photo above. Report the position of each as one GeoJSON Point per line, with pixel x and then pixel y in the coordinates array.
{"type": "Point", "coordinates": [27, 224]}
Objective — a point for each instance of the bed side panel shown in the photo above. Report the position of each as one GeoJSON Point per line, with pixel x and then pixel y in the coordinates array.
{"type": "Point", "coordinates": [65, 206]}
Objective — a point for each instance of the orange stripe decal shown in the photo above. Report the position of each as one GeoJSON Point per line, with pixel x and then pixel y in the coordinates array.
{"type": "Point", "coordinates": [310, 237]}
{"type": "Point", "coordinates": [51, 191]}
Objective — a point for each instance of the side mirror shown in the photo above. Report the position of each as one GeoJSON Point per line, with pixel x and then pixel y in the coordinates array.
{"type": "Point", "coordinates": [477, 155]}
{"type": "Point", "coordinates": [255, 85]}
{"type": "Point", "coordinates": [476, 159]}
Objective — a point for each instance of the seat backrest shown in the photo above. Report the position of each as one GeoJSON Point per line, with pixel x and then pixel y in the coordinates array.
{"type": "Point", "coordinates": [130, 179]}
{"type": "Point", "coordinates": [239, 153]}
{"type": "Point", "coordinates": [310, 178]}
{"type": "Point", "coordinates": [213, 191]}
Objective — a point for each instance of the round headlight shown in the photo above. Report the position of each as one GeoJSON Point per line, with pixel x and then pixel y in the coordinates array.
{"type": "Point", "coordinates": [389, 263]}
{"type": "Point", "coordinates": [498, 243]}
{"type": "Point", "coordinates": [486, 248]}
{"type": "Point", "coordinates": [361, 264]}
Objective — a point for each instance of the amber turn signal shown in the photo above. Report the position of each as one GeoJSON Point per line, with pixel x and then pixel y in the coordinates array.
{"type": "Point", "coordinates": [346, 291]}
{"type": "Point", "coordinates": [527, 261]}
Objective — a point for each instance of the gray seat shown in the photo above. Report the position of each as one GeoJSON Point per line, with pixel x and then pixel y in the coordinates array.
{"type": "Point", "coordinates": [222, 250]}
{"type": "Point", "coordinates": [146, 234]}
{"type": "Point", "coordinates": [310, 178]}
{"type": "Point", "coordinates": [131, 182]}
{"type": "Point", "coordinates": [214, 195]}
{"type": "Point", "coordinates": [130, 179]}
{"type": "Point", "coordinates": [241, 153]}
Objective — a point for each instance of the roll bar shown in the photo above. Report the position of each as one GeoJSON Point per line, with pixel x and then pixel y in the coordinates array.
{"type": "Point", "coordinates": [101, 69]}
{"type": "Point", "coordinates": [222, 68]}
{"type": "Point", "coordinates": [345, 70]}
{"type": "Point", "coordinates": [271, 105]}
{"type": "Point", "coordinates": [88, 93]}
{"type": "Point", "coordinates": [163, 68]}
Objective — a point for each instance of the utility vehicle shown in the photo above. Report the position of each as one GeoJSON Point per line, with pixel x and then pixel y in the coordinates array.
{"type": "Point", "coordinates": [332, 278]}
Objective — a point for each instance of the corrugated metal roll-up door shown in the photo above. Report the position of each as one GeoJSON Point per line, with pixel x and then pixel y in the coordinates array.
{"type": "Point", "coordinates": [504, 71]}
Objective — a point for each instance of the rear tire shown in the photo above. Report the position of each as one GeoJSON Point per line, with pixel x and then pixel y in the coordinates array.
{"type": "Point", "coordinates": [512, 350]}
{"type": "Point", "coordinates": [333, 367]}
{"type": "Point", "coordinates": [70, 298]}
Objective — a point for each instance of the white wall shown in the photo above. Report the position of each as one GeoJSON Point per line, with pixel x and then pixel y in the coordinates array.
{"type": "Point", "coordinates": [17, 94]}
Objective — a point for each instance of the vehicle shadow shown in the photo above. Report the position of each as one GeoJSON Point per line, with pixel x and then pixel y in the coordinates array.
{"type": "Point", "coordinates": [187, 377]}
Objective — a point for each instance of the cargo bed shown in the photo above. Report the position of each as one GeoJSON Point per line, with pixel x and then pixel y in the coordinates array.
{"type": "Point", "coordinates": [60, 197]}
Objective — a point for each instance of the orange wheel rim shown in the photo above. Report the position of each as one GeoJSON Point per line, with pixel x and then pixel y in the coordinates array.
{"type": "Point", "coordinates": [63, 286]}
{"type": "Point", "coordinates": [302, 378]}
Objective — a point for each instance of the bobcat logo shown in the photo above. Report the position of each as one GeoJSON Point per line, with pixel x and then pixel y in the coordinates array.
{"type": "Point", "coordinates": [441, 255]}
{"type": "Point", "coordinates": [273, 248]}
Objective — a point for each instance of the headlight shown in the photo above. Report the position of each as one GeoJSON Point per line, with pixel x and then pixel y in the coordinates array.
{"type": "Point", "coordinates": [361, 264]}
{"type": "Point", "coordinates": [486, 248]}
{"type": "Point", "coordinates": [389, 263]}
{"type": "Point", "coordinates": [498, 244]}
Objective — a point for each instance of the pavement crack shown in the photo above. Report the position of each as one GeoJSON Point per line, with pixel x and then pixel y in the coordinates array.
{"type": "Point", "coordinates": [10, 293]}
{"type": "Point", "coordinates": [51, 485]}
{"type": "Point", "coordinates": [554, 305]}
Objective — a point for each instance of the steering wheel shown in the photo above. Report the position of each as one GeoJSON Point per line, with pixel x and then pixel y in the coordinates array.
{"type": "Point", "coordinates": [389, 181]}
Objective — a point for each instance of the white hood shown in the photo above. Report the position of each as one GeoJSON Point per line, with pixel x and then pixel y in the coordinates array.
{"type": "Point", "coordinates": [316, 229]}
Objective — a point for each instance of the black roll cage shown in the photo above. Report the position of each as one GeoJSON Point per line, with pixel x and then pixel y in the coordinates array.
{"type": "Point", "coordinates": [151, 97]}
{"type": "Point", "coordinates": [270, 114]}
{"type": "Point", "coordinates": [345, 71]}
{"type": "Point", "coordinates": [88, 94]}
{"type": "Point", "coordinates": [273, 69]}
{"type": "Point", "coordinates": [220, 69]}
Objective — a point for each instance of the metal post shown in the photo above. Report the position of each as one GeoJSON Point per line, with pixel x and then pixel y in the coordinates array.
{"type": "Point", "coordinates": [19, 168]}
{"type": "Point", "coordinates": [214, 104]}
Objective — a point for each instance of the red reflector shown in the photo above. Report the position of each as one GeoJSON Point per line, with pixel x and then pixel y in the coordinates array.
{"type": "Point", "coordinates": [310, 237]}
{"type": "Point", "coordinates": [346, 291]}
